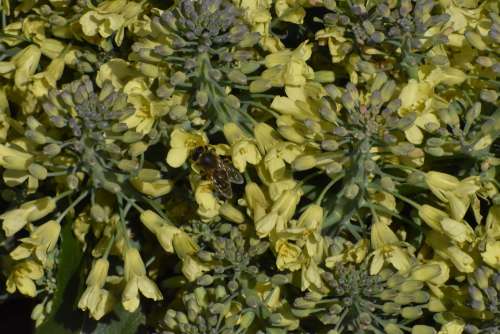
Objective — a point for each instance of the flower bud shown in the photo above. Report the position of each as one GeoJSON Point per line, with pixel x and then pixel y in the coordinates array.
{"type": "Point", "coordinates": [304, 162]}
{"type": "Point", "coordinates": [229, 212]}
{"type": "Point", "coordinates": [392, 328]}
{"type": "Point", "coordinates": [475, 40]}
{"type": "Point", "coordinates": [422, 329]}
{"type": "Point", "coordinates": [247, 319]}
{"type": "Point", "coordinates": [411, 312]}
{"type": "Point", "coordinates": [324, 76]}
{"type": "Point", "coordinates": [260, 85]}
{"type": "Point", "coordinates": [38, 171]}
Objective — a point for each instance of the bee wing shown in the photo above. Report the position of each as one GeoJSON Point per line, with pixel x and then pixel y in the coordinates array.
{"type": "Point", "coordinates": [222, 185]}
{"type": "Point", "coordinates": [233, 175]}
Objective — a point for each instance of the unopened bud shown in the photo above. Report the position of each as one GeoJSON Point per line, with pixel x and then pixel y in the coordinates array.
{"type": "Point", "coordinates": [260, 85]}
{"type": "Point", "coordinates": [38, 171]}
{"type": "Point", "coordinates": [304, 162]}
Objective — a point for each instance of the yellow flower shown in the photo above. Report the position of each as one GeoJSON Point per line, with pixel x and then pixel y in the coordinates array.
{"type": "Point", "coordinates": [13, 158]}
{"type": "Point", "coordinates": [147, 107]}
{"type": "Point", "coordinates": [137, 281]}
{"type": "Point", "coordinates": [149, 182]}
{"type": "Point", "coordinates": [491, 254]}
{"type": "Point", "coordinates": [447, 75]}
{"type": "Point", "coordinates": [171, 238]}
{"type": "Point", "coordinates": [348, 253]}
{"type": "Point", "coordinates": [312, 218]}
{"type": "Point", "coordinates": [14, 220]}
{"type": "Point", "coordinates": [267, 223]}
{"type": "Point", "coordinates": [228, 211]}
{"type": "Point", "coordinates": [386, 200]}
{"type": "Point", "coordinates": [181, 143]}
{"type": "Point", "coordinates": [288, 255]}
{"type": "Point", "coordinates": [290, 11]}
{"type": "Point", "coordinates": [448, 251]}
{"type": "Point", "coordinates": [286, 204]}
{"type": "Point", "coordinates": [273, 167]}
{"type": "Point", "coordinates": [256, 201]}
{"type": "Point", "coordinates": [243, 149]}
{"type": "Point", "coordinates": [193, 269]}
{"type": "Point", "coordinates": [41, 241]}
{"type": "Point", "coordinates": [453, 327]}
{"type": "Point", "coordinates": [417, 97]}
{"type": "Point", "coordinates": [458, 231]}
{"type": "Point", "coordinates": [387, 247]}
{"type": "Point", "coordinates": [458, 194]}
{"type": "Point", "coordinates": [97, 300]}
{"type": "Point", "coordinates": [266, 137]}
{"type": "Point", "coordinates": [110, 17]}
{"type": "Point", "coordinates": [26, 62]}
{"type": "Point", "coordinates": [289, 68]}
{"type": "Point", "coordinates": [492, 225]}
{"type": "Point", "coordinates": [184, 246]}
{"type": "Point", "coordinates": [117, 71]}
{"type": "Point", "coordinates": [441, 184]}
{"type": "Point", "coordinates": [311, 276]}
{"type": "Point", "coordinates": [208, 204]}
{"type": "Point", "coordinates": [22, 278]}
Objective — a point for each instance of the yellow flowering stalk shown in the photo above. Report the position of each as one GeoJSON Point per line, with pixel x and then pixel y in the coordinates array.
{"type": "Point", "coordinates": [95, 298]}
{"type": "Point", "coordinates": [137, 281]}
{"type": "Point", "coordinates": [181, 144]}
{"type": "Point", "coordinates": [14, 220]}
{"type": "Point", "coordinates": [23, 276]}
{"type": "Point", "coordinates": [40, 243]}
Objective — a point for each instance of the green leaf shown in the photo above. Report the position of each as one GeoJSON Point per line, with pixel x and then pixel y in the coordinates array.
{"type": "Point", "coordinates": [65, 317]}
{"type": "Point", "coordinates": [120, 321]}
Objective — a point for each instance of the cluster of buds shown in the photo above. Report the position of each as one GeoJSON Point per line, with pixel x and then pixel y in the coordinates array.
{"type": "Point", "coordinates": [358, 302]}
{"type": "Point", "coordinates": [483, 298]}
{"type": "Point", "coordinates": [205, 49]}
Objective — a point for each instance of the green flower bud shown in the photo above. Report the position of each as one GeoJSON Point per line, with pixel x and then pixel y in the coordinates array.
{"type": "Point", "coordinates": [324, 76]}
{"type": "Point", "coordinates": [422, 329]}
{"type": "Point", "coordinates": [411, 286]}
{"type": "Point", "coordinates": [237, 76]}
{"type": "Point", "coordinates": [232, 101]}
{"type": "Point", "coordinates": [489, 95]}
{"type": "Point", "coordinates": [391, 328]}
{"type": "Point", "coordinates": [411, 312]}
{"type": "Point", "coordinates": [201, 98]}
{"type": "Point", "coordinates": [220, 292]}
{"type": "Point", "coordinates": [249, 67]}
{"type": "Point", "coordinates": [36, 137]}
{"type": "Point", "coordinates": [304, 162]}
{"type": "Point", "coordinates": [351, 191]}
{"type": "Point", "coordinates": [247, 319]}
{"type": "Point", "coordinates": [38, 171]}
{"type": "Point", "coordinates": [259, 86]}
{"type": "Point", "coordinates": [205, 280]}
{"type": "Point", "coordinates": [51, 149]}
{"type": "Point", "coordinates": [279, 279]}
{"type": "Point", "coordinates": [391, 308]}
{"type": "Point", "coordinates": [177, 112]}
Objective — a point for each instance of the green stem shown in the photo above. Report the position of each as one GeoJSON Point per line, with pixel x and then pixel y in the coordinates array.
{"type": "Point", "coordinates": [75, 203]}
{"type": "Point", "coordinates": [262, 107]}
{"type": "Point", "coordinates": [327, 187]}
{"type": "Point", "coordinates": [401, 197]}
{"type": "Point", "coordinates": [108, 247]}
{"type": "Point", "coordinates": [64, 194]}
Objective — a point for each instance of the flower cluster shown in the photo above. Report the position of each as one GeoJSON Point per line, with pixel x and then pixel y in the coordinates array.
{"type": "Point", "coordinates": [227, 166]}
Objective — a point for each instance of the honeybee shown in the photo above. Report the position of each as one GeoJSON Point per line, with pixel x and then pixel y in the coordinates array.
{"type": "Point", "coordinates": [218, 170]}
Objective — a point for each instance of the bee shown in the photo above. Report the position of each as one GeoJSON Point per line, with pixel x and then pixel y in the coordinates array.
{"type": "Point", "coordinates": [216, 169]}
